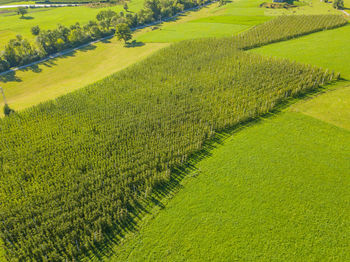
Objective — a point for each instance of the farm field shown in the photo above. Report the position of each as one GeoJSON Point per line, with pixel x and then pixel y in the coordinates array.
{"type": "Point", "coordinates": [47, 18]}
{"type": "Point", "coordinates": [184, 151]}
{"type": "Point", "coordinates": [308, 7]}
{"type": "Point", "coordinates": [211, 21]}
{"type": "Point", "coordinates": [152, 96]}
{"type": "Point", "coordinates": [333, 106]}
{"type": "Point", "coordinates": [227, 20]}
{"type": "Point", "coordinates": [28, 87]}
{"type": "Point", "coordinates": [316, 49]}
{"type": "Point", "coordinates": [73, 72]}
{"type": "Point", "coordinates": [256, 195]}
{"type": "Point", "coordinates": [276, 190]}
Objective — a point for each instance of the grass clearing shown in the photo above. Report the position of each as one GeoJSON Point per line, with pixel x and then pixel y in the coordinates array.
{"type": "Point", "coordinates": [328, 49]}
{"type": "Point", "coordinates": [48, 18]}
{"type": "Point", "coordinates": [179, 32]}
{"type": "Point", "coordinates": [239, 20]}
{"type": "Point", "coordinates": [62, 75]}
{"type": "Point", "coordinates": [210, 21]}
{"type": "Point", "coordinates": [332, 106]}
{"type": "Point", "coordinates": [277, 190]}
{"type": "Point", "coordinates": [307, 7]}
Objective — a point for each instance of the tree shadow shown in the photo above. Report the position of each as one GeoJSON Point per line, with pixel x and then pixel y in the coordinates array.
{"type": "Point", "coordinates": [134, 43]}
{"type": "Point", "coordinates": [27, 17]}
{"type": "Point", "coordinates": [106, 41]}
{"type": "Point", "coordinates": [33, 68]}
{"type": "Point", "coordinates": [84, 49]}
{"type": "Point", "coordinates": [10, 77]}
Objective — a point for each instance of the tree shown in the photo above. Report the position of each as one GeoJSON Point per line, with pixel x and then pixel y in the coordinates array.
{"type": "Point", "coordinates": [35, 30]}
{"type": "Point", "coordinates": [154, 6]}
{"type": "Point", "coordinates": [123, 31]}
{"type": "Point", "coordinates": [7, 110]}
{"type": "Point", "coordinates": [22, 11]}
{"type": "Point", "coordinates": [126, 7]}
{"type": "Point", "coordinates": [222, 2]}
{"type": "Point", "coordinates": [106, 16]}
{"type": "Point", "coordinates": [338, 4]}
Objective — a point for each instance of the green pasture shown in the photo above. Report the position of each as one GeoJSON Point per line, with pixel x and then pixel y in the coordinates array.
{"type": "Point", "coordinates": [184, 31]}
{"type": "Point", "coordinates": [276, 190]}
{"type": "Point", "coordinates": [328, 49]}
{"type": "Point", "coordinates": [210, 21]}
{"type": "Point", "coordinates": [226, 20]}
{"type": "Point", "coordinates": [62, 75]}
{"type": "Point", "coordinates": [47, 18]}
{"type": "Point", "coordinates": [333, 106]}
{"type": "Point", "coordinates": [239, 20]}
{"type": "Point", "coordinates": [305, 7]}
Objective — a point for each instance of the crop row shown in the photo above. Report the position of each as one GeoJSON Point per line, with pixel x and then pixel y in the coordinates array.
{"type": "Point", "coordinates": [74, 169]}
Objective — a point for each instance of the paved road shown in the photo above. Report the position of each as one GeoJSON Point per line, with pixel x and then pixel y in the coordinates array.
{"type": "Point", "coordinates": [37, 5]}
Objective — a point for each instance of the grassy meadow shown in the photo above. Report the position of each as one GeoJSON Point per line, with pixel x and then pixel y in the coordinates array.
{"type": "Point", "coordinates": [326, 49]}
{"type": "Point", "coordinates": [332, 106]}
{"type": "Point", "coordinates": [47, 18]}
{"type": "Point", "coordinates": [62, 75]}
{"type": "Point", "coordinates": [276, 190]}
{"type": "Point", "coordinates": [100, 139]}
{"type": "Point", "coordinates": [273, 189]}
{"type": "Point", "coordinates": [210, 21]}
{"type": "Point", "coordinates": [227, 20]}
{"type": "Point", "coordinates": [30, 86]}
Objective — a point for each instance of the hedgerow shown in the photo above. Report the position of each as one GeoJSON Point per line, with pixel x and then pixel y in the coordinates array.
{"type": "Point", "coordinates": [74, 169]}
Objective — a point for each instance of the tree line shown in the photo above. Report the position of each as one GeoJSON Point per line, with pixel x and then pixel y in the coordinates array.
{"type": "Point", "coordinates": [20, 51]}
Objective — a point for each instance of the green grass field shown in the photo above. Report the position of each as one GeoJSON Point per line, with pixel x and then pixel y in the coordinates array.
{"type": "Point", "coordinates": [307, 7]}
{"type": "Point", "coordinates": [277, 190]}
{"type": "Point", "coordinates": [47, 18]}
{"type": "Point", "coordinates": [28, 87]}
{"type": "Point", "coordinates": [62, 75]}
{"type": "Point", "coordinates": [332, 106]}
{"type": "Point", "coordinates": [328, 49]}
{"type": "Point", "coordinates": [179, 32]}
{"type": "Point", "coordinates": [211, 21]}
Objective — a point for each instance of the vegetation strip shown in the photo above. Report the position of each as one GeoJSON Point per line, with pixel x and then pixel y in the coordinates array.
{"type": "Point", "coordinates": [75, 169]}
{"type": "Point", "coordinates": [19, 52]}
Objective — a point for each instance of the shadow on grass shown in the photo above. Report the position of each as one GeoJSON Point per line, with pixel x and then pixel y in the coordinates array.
{"type": "Point", "coordinates": [10, 77]}
{"type": "Point", "coordinates": [13, 77]}
{"type": "Point", "coordinates": [134, 43]}
{"type": "Point", "coordinates": [26, 17]}
{"type": "Point", "coordinates": [166, 190]}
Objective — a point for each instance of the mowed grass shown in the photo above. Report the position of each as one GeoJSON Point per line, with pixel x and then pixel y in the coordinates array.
{"type": "Point", "coordinates": [186, 31]}
{"type": "Point", "coordinates": [347, 5]}
{"type": "Point", "coordinates": [306, 7]}
{"type": "Point", "coordinates": [226, 20]}
{"type": "Point", "coordinates": [210, 21]}
{"type": "Point", "coordinates": [277, 190]}
{"type": "Point", "coordinates": [47, 18]}
{"type": "Point", "coordinates": [62, 75]}
{"type": "Point", "coordinates": [327, 49]}
{"type": "Point", "coordinates": [332, 106]}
